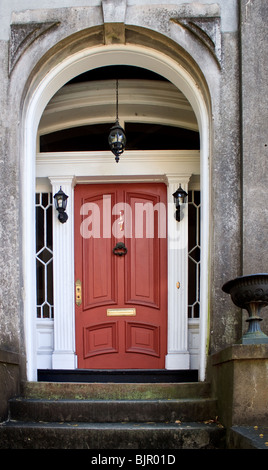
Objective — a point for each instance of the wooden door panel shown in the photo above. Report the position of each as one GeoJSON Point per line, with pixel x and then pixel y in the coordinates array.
{"type": "Point", "coordinates": [142, 273]}
{"type": "Point", "coordinates": [100, 339]}
{"type": "Point", "coordinates": [99, 273]}
{"type": "Point", "coordinates": [143, 338]}
{"type": "Point", "coordinates": [142, 264]}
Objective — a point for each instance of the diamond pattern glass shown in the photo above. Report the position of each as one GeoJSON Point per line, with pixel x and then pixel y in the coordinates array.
{"type": "Point", "coordinates": [44, 255]}
{"type": "Point", "coordinates": [194, 253]}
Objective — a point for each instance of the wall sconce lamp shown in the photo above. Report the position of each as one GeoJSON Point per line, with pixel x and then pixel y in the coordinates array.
{"type": "Point", "coordinates": [179, 198]}
{"type": "Point", "coordinates": [117, 137]}
{"type": "Point", "coordinates": [60, 199]}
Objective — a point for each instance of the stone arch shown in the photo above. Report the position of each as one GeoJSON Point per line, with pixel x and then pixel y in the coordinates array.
{"type": "Point", "coordinates": [61, 64]}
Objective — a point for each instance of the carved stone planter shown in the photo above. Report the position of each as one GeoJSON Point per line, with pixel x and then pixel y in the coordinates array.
{"type": "Point", "coordinates": [250, 293]}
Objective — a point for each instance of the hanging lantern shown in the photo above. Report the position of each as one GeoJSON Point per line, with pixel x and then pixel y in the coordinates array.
{"type": "Point", "coordinates": [117, 137]}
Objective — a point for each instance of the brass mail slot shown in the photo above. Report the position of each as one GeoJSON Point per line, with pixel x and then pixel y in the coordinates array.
{"type": "Point", "coordinates": [119, 312]}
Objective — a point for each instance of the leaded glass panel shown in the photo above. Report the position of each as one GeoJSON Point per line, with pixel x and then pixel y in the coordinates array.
{"type": "Point", "coordinates": [44, 255]}
{"type": "Point", "coordinates": [194, 253]}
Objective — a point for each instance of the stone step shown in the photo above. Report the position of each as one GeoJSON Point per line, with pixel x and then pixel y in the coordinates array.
{"type": "Point", "coordinates": [57, 415]}
{"type": "Point", "coordinates": [112, 411]}
{"type": "Point", "coordinates": [115, 391]}
{"type": "Point", "coordinates": [77, 435]}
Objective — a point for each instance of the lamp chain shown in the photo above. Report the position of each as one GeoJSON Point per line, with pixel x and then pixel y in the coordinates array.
{"type": "Point", "coordinates": [117, 100]}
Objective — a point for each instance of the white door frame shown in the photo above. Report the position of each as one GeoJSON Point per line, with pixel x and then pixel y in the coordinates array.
{"type": "Point", "coordinates": [68, 169]}
{"type": "Point", "coordinates": [38, 99]}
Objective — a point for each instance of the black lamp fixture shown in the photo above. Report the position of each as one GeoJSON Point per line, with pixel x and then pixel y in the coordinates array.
{"type": "Point", "coordinates": [179, 198]}
{"type": "Point", "coordinates": [60, 199]}
{"type": "Point", "coordinates": [117, 137]}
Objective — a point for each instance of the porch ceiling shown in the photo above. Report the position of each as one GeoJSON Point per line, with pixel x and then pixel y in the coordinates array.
{"type": "Point", "coordinates": [93, 102]}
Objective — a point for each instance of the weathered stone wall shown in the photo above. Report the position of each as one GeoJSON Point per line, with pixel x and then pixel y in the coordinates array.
{"type": "Point", "coordinates": [254, 95]}
{"type": "Point", "coordinates": [240, 379]}
{"type": "Point", "coordinates": [11, 313]}
{"type": "Point", "coordinates": [226, 248]}
{"type": "Point", "coordinates": [10, 377]}
{"type": "Point", "coordinates": [254, 141]}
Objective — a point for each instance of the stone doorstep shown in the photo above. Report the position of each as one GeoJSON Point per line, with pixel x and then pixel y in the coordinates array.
{"type": "Point", "coordinates": [113, 411]}
{"type": "Point", "coordinates": [48, 418]}
{"type": "Point", "coordinates": [111, 391]}
{"type": "Point", "coordinates": [60, 435]}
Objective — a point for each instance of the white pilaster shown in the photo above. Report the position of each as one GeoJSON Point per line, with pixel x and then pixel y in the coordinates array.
{"type": "Point", "coordinates": [178, 356]}
{"type": "Point", "coordinates": [64, 356]}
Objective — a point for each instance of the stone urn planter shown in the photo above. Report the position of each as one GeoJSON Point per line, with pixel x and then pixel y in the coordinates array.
{"type": "Point", "coordinates": [250, 293]}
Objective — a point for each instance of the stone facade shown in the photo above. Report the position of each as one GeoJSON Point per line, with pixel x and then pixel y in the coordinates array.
{"type": "Point", "coordinates": [222, 46]}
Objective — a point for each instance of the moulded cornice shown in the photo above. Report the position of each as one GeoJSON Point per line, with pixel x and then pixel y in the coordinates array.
{"type": "Point", "coordinates": [165, 156]}
{"type": "Point", "coordinates": [144, 163]}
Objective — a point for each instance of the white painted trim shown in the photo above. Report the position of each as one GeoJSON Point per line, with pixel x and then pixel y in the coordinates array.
{"type": "Point", "coordinates": [45, 343]}
{"type": "Point", "coordinates": [37, 100]}
{"type": "Point", "coordinates": [194, 342]}
{"type": "Point", "coordinates": [148, 163]}
{"type": "Point", "coordinates": [64, 356]}
{"type": "Point", "coordinates": [178, 356]}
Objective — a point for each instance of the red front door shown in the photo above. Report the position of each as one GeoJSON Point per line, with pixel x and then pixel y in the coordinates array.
{"type": "Point", "coordinates": [121, 276]}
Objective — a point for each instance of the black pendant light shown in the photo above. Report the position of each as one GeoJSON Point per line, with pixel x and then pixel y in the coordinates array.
{"type": "Point", "coordinates": [117, 138]}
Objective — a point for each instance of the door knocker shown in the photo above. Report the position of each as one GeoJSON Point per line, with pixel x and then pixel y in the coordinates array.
{"type": "Point", "coordinates": [120, 249]}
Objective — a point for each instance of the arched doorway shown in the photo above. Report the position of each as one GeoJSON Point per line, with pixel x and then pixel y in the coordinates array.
{"type": "Point", "coordinates": [133, 56]}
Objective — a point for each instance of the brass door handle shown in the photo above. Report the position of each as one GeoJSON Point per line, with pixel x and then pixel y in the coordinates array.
{"type": "Point", "coordinates": [78, 292]}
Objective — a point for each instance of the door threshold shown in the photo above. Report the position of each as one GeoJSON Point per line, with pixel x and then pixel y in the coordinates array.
{"type": "Point", "coordinates": [117, 376]}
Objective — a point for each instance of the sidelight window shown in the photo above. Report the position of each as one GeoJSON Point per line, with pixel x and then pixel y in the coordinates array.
{"type": "Point", "coordinates": [44, 255]}
{"type": "Point", "coordinates": [194, 253]}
